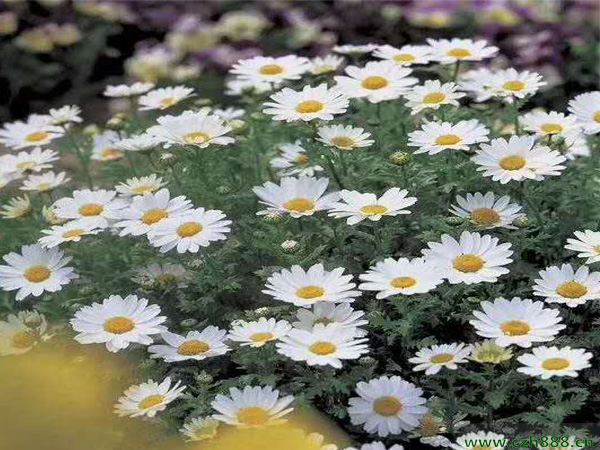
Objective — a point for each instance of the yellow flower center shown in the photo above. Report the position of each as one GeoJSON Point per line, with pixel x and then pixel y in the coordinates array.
{"type": "Point", "coordinates": [572, 289]}
{"type": "Point", "coordinates": [196, 137]}
{"type": "Point", "coordinates": [597, 249]}
{"type": "Point", "coordinates": [91, 209]}
{"type": "Point", "coordinates": [373, 210]}
{"type": "Point", "coordinates": [387, 406]}
{"type": "Point", "coordinates": [552, 128]}
{"type": "Point", "coordinates": [43, 187]}
{"type": "Point", "coordinates": [459, 53]}
{"type": "Point", "coordinates": [37, 274]}
{"type": "Point", "coordinates": [37, 136]}
{"type": "Point", "coordinates": [22, 340]}
{"type": "Point", "coordinates": [342, 141]}
{"type": "Point", "coordinates": [118, 325]}
{"type": "Point", "coordinates": [253, 416]}
{"type": "Point", "coordinates": [323, 320]}
{"type": "Point", "coordinates": [309, 292]}
{"type": "Point", "coordinates": [514, 162]}
{"type": "Point", "coordinates": [110, 152]}
{"type": "Point", "coordinates": [434, 97]}
{"type": "Point", "coordinates": [404, 57]}
{"type": "Point", "coordinates": [515, 328]}
{"type": "Point", "coordinates": [76, 232]}
{"type": "Point", "coordinates": [323, 348]}
{"type": "Point", "coordinates": [448, 139]}
{"type": "Point", "coordinates": [271, 69]}
{"type": "Point", "coordinates": [301, 159]}
{"type": "Point", "coordinates": [154, 215]}
{"type": "Point", "coordinates": [484, 216]}
{"type": "Point", "coordinates": [514, 86]}
{"type": "Point", "coordinates": [193, 347]}
{"type": "Point", "coordinates": [403, 282]}
{"type": "Point", "coordinates": [467, 263]}
{"type": "Point", "coordinates": [299, 204]}
{"type": "Point", "coordinates": [262, 337]}
{"type": "Point", "coordinates": [142, 189]}
{"type": "Point", "coordinates": [189, 229]}
{"type": "Point", "coordinates": [25, 165]}
{"type": "Point", "coordinates": [442, 358]}
{"type": "Point", "coordinates": [150, 401]}
{"type": "Point", "coordinates": [374, 83]}
{"type": "Point", "coordinates": [556, 364]}
{"type": "Point", "coordinates": [596, 117]}
{"type": "Point", "coordinates": [167, 102]}
{"type": "Point", "coordinates": [309, 106]}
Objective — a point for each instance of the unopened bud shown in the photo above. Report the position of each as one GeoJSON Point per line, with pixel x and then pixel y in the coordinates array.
{"type": "Point", "coordinates": [290, 246]}
{"type": "Point", "coordinates": [521, 222]}
{"type": "Point", "coordinates": [400, 158]}
{"type": "Point", "coordinates": [454, 221]}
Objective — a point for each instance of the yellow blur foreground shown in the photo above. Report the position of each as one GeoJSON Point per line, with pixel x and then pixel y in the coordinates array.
{"type": "Point", "coordinates": [62, 399]}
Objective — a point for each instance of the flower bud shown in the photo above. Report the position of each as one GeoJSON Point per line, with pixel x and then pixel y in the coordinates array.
{"type": "Point", "coordinates": [522, 222]}
{"type": "Point", "coordinates": [400, 158]}
{"type": "Point", "coordinates": [188, 323]}
{"type": "Point", "coordinates": [290, 246]}
{"type": "Point", "coordinates": [454, 221]}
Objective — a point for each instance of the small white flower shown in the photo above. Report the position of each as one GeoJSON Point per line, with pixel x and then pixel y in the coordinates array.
{"type": "Point", "coordinates": [406, 55]}
{"type": "Point", "coordinates": [344, 137]}
{"type": "Point", "coordinates": [36, 131]}
{"type": "Point", "coordinates": [257, 334]}
{"type": "Point", "coordinates": [16, 207]}
{"type": "Point", "coordinates": [576, 145]}
{"type": "Point", "coordinates": [486, 211]}
{"type": "Point", "coordinates": [164, 98]}
{"type": "Point", "coordinates": [196, 345]}
{"type": "Point", "coordinates": [341, 314]}
{"type": "Point", "coordinates": [200, 428]}
{"type": "Point", "coordinates": [433, 359]}
{"type": "Point", "coordinates": [324, 345]}
{"type": "Point", "coordinates": [118, 322]}
{"type": "Point", "coordinates": [72, 231]}
{"type": "Point", "coordinates": [550, 123]}
{"type": "Point", "coordinates": [565, 285]}
{"type": "Point", "coordinates": [22, 332]}
{"type": "Point", "coordinates": [140, 186]}
{"type": "Point", "coordinates": [45, 182]}
{"type": "Point", "coordinates": [325, 64]}
{"type": "Point", "coordinates": [294, 161]}
{"type": "Point", "coordinates": [27, 162]}
{"type": "Point", "coordinates": [510, 84]}
{"type": "Point", "coordinates": [433, 137]}
{"type": "Point", "coordinates": [239, 87]}
{"type": "Point", "coordinates": [66, 114]}
{"type": "Point", "coordinates": [432, 95]}
{"type": "Point", "coordinates": [587, 110]}
{"type": "Point", "coordinates": [475, 258]}
{"type": "Point", "coordinates": [164, 275]}
{"type": "Point", "coordinates": [105, 146]}
{"type": "Point", "coordinates": [100, 204]}
{"type": "Point", "coordinates": [587, 245]}
{"type": "Point", "coordinates": [229, 114]}
{"type": "Point", "coordinates": [252, 407]}
{"type": "Point", "coordinates": [266, 69]}
{"type": "Point", "coordinates": [457, 50]}
{"type": "Point", "coordinates": [548, 362]}
{"type": "Point", "coordinates": [138, 143]}
{"type": "Point", "coordinates": [148, 398]}
{"type": "Point", "coordinates": [477, 83]}
{"type": "Point", "coordinates": [123, 90]}
{"type": "Point", "coordinates": [355, 49]}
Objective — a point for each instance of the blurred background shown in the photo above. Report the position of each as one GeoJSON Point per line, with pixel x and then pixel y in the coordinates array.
{"type": "Point", "coordinates": [56, 52]}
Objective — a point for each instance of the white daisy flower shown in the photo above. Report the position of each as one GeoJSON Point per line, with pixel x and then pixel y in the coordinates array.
{"type": "Point", "coordinates": [486, 211]}
{"type": "Point", "coordinates": [477, 83]}
{"type": "Point", "coordinates": [325, 64]}
{"type": "Point", "coordinates": [475, 258]}
{"type": "Point", "coordinates": [550, 123]}
{"type": "Point", "coordinates": [149, 210]}
{"type": "Point", "coordinates": [387, 405]}
{"type": "Point", "coordinates": [187, 233]}
{"type": "Point", "coordinates": [377, 446]}
{"type": "Point", "coordinates": [36, 131]}
{"type": "Point", "coordinates": [587, 245]}
{"type": "Point", "coordinates": [510, 84]}
{"type": "Point", "coordinates": [148, 398]}
{"type": "Point", "coordinates": [164, 98]}
{"type": "Point", "coordinates": [548, 362]}
{"type": "Point", "coordinates": [517, 159]}
{"type": "Point", "coordinates": [72, 231]}
{"type": "Point", "coordinates": [199, 129]}
{"type": "Point", "coordinates": [401, 277]}
{"type": "Point", "coordinates": [196, 345]}
{"type": "Point", "coordinates": [118, 322]}
{"type": "Point", "coordinates": [377, 81]}
{"type": "Point", "coordinates": [124, 90]}
{"type": "Point", "coordinates": [435, 358]}
{"type": "Point", "coordinates": [275, 70]}
{"type": "Point", "coordinates": [230, 113]}
{"type": "Point", "coordinates": [257, 334]}
{"type": "Point", "coordinates": [576, 145]}
{"type": "Point", "coordinates": [293, 160]}
{"type": "Point", "coordinates": [297, 197]}
{"type": "Point", "coordinates": [433, 137]}
{"type": "Point", "coordinates": [488, 441]}
{"type": "Point", "coordinates": [431, 95]}
{"type": "Point", "coordinates": [587, 110]}
{"type": "Point", "coordinates": [16, 207]}
{"type": "Point", "coordinates": [239, 87]}
{"type": "Point", "coordinates": [162, 275]}
{"type": "Point", "coordinates": [139, 143]}
{"type": "Point", "coordinates": [45, 182]}
{"type": "Point", "coordinates": [8, 177]}
{"type": "Point", "coordinates": [344, 137]}
{"type": "Point", "coordinates": [357, 206]}
{"type": "Point", "coordinates": [341, 314]}
{"type": "Point", "coordinates": [565, 285]}
{"type": "Point", "coordinates": [105, 146]}
{"type": "Point", "coordinates": [406, 55]}
{"type": "Point", "coordinates": [27, 162]}
{"type": "Point", "coordinates": [519, 321]}
{"type": "Point", "coordinates": [252, 407]}
{"type": "Point", "coordinates": [99, 204]}
{"type": "Point", "coordinates": [35, 271]}
{"type": "Point", "coordinates": [65, 114]}
{"type": "Point", "coordinates": [304, 288]}
{"type": "Point", "coordinates": [457, 50]}
{"type": "Point", "coordinates": [324, 345]}
{"type": "Point", "coordinates": [350, 49]}
{"type": "Point", "coordinates": [140, 186]}
{"type": "Point", "coordinates": [200, 429]}
{"type": "Point", "coordinates": [20, 333]}
{"type": "Point", "coordinates": [308, 104]}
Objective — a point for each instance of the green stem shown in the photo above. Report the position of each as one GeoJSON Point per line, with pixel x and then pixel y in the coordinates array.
{"type": "Point", "coordinates": [81, 156]}
{"type": "Point", "coordinates": [131, 164]}
{"type": "Point", "coordinates": [515, 109]}
{"type": "Point", "coordinates": [456, 69]}
{"type": "Point", "coordinates": [334, 172]}
{"type": "Point", "coordinates": [531, 205]}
